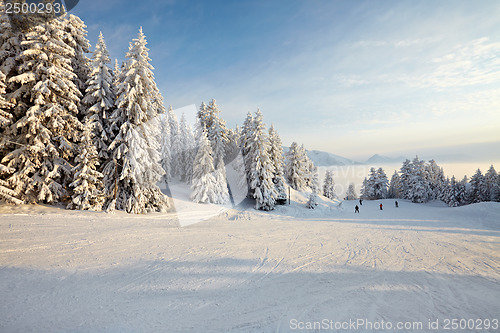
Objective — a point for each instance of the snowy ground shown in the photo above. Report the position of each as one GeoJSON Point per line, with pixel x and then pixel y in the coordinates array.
{"type": "Point", "coordinates": [248, 271]}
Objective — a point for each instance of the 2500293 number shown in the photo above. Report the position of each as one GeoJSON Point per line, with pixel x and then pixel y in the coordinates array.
{"type": "Point", "coordinates": [470, 324]}
{"type": "Point", "coordinates": [32, 8]}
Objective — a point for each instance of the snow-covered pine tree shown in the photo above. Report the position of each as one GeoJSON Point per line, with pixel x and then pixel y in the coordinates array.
{"type": "Point", "coordinates": [245, 136]}
{"type": "Point", "coordinates": [452, 197]}
{"type": "Point", "coordinates": [276, 155]}
{"type": "Point", "coordinates": [134, 167]}
{"type": "Point", "coordinates": [183, 153]}
{"type": "Point", "coordinates": [261, 167]}
{"type": "Point", "coordinates": [217, 132]}
{"type": "Point", "coordinates": [313, 197]}
{"type": "Point", "coordinates": [370, 185]}
{"type": "Point", "coordinates": [491, 181]}
{"type": "Point", "coordinates": [47, 128]}
{"type": "Point", "coordinates": [365, 192]}
{"type": "Point", "coordinates": [478, 188]}
{"type": "Point", "coordinates": [187, 153]}
{"type": "Point", "coordinates": [435, 178]}
{"type": "Point", "coordinates": [329, 185]}
{"type": "Point", "coordinates": [351, 192]}
{"type": "Point", "coordinates": [203, 188]}
{"type": "Point", "coordinates": [461, 194]}
{"type": "Point", "coordinates": [76, 37]}
{"type": "Point", "coordinates": [404, 178]}
{"type": "Point", "coordinates": [221, 183]}
{"type": "Point", "coordinates": [381, 184]}
{"type": "Point", "coordinates": [297, 165]}
{"type": "Point", "coordinates": [394, 187]}
{"type": "Point", "coordinates": [176, 143]}
{"type": "Point", "coordinates": [99, 98]}
{"type": "Point", "coordinates": [88, 188]}
{"type": "Point", "coordinates": [419, 189]}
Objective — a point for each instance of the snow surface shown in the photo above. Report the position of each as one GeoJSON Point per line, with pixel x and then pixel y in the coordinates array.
{"type": "Point", "coordinates": [244, 270]}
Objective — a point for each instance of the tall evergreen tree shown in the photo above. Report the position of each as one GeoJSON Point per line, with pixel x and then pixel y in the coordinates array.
{"type": "Point", "coordinates": [297, 167]}
{"type": "Point", "coordinates": [329, 185]}
{"type": "Point", "coordinates": [261, 167]}
{"type": "Point", "coordinates": [491, 184]}
{"type": "Point", "coordinates": [47, 128]}
{"type": "Point", "coordinates": [419, 189]}
{"type": "Point", "coordinates": [76, 38]}
{"type": "Point", "coordinates": [135, 168]}
{"type": "Point", "coordinates": [394, 187]}
{"type": "Point", "coordinates": [313, 197]}
{"type": "Point", "coordinates": [88, 189]}
{"type": "Point", "coordinates": [217, 132]}
{"type": "Point", "coordinates": [478, 188]}
{"type": "Point", "coordinates": [203, 188]}
{"type": "Point", "coordinates": [99, 98]}
{"type": "Point", "coordinates": [276, 155]}
{"type": "Point", "coordinates": [351, 192]}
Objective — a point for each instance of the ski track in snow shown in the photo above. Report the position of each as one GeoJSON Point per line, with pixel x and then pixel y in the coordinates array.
{"type": "Point", "coordinates": [247, 271]}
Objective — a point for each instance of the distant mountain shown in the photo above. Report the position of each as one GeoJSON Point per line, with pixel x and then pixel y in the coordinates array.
{"type": "Point", "coordinates": [379, 159]}
{"type": "Point", "coordinates": [322, 158]}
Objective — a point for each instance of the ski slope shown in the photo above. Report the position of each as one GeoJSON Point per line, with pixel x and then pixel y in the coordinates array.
{"type": "Point", "coordinates": [248, 271]}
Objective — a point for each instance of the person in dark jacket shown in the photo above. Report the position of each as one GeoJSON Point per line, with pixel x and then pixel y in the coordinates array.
{"type": "Point", "coordinates": [381, 207]}
{"type": "Point", "coordinates": [361, 202]}
{"type": "Point", "coordinates": [356, 209]}
{"type": "Point", "coordinates": [396, 203]}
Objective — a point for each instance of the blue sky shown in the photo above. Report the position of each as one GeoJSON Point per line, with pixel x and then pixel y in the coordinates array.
{"type": "Point", "coordinates": [353, 78]}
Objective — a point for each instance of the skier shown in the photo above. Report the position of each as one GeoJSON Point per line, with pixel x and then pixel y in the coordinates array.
{"type": "Point", "coordinates": [396, 203]}
{"type": "Point", "coordinates": [361, 202]}
{"type": "Point", "coordinates": [356, 209]}
{"type": "Point", "coordinates": [381, 207]}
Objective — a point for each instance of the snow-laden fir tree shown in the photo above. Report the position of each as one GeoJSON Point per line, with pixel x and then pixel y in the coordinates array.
{"type": "Point", "coordinates": [134, 168]}
{"type": "Point", "coordinates": [381, 185]}
{"type": "Point", "coordinates": [365, 189]}
{"type": "Point", "coordinates": [369, 185]}
{"type": "Point", "coordinates": [217, 132]}
{"type": "Point", "coordinates": [404, 178]}
{"type": "Point", "coordinates": [99, 97]}
{"type": "Point", "coordinates": [261, 167]}
{"type": "Point", "coordinates": [313, 197]}
{"type": "Point", "coordinates": [297, 167]}
{"type": "Point", "coordinates": [394, 191]}
{"type": "Point", "coordinates": [276, 155]}
{"type": "Point", "coordinates": [175, 142]}
{"type": "Point", "coordinates": [478, 188]}
{"type": "Point", "coordinates": [245, 136]}
{"type": "Point", "coordinates": [221, 183]}
{"type": "Point", "coordinates": [351, 192]}
{"type": "Point", "coordinates": [203, 188]}
{"type": "Point", "coordinates": [47, 128]}
{"type": "Point", "coordinates": [88, 189]}
{"type": "Point", "coordinates": [329, 185]}
{"type": "Point", "coordinates": [419, 189]}
{"type": "Point", "coordinates": [435, 178]}
{"type": "Point", "coordinates": [76, 37]}
{"type": "Point", "coordinates": [452, 195]}
{"type": "Point", "coordinates": [187, 153]}
{"type": "Point", "coordinates": [491, 182]}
